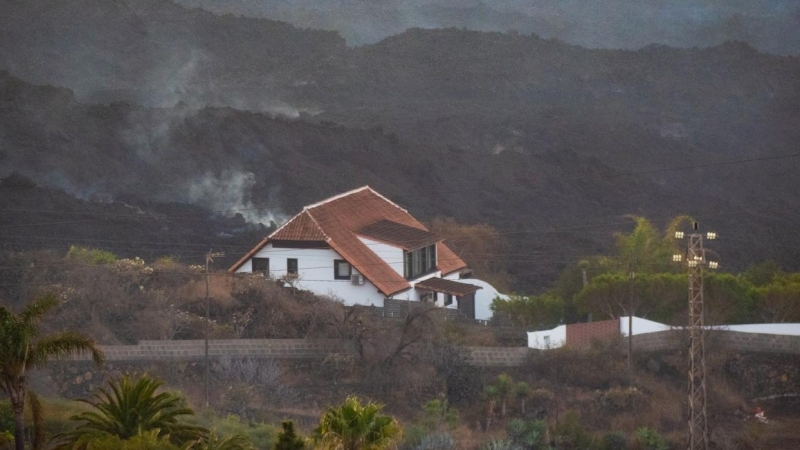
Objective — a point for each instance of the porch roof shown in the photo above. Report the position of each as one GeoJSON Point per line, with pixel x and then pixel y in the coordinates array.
{"type": "Point", "coordinates": [447, 286]}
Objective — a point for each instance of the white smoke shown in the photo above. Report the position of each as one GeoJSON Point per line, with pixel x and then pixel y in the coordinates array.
{"type": "Point", "coordinates": [228, 193]}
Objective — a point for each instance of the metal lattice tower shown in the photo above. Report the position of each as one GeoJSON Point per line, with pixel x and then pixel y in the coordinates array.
{"type": "Point", "coordinates": [698, 429]}
{"type": "Point", "coordinates": [696, 262]}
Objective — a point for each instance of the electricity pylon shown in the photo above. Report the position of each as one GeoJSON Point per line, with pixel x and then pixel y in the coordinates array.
{"type": "Point", "coordinates": [695, 262]}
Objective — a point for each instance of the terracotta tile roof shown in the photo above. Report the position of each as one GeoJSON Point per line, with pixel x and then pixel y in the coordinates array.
{"type": "Point", "coordinates": [446, 260]}
{"type": "Point", "coordinates": [447, 286]}
{"type": "Point", "coordinates": [301, 227]}
{"type": "Point", "coordinates": [339, 219]}
{"type": "Point", "coordinates": [409, 238]}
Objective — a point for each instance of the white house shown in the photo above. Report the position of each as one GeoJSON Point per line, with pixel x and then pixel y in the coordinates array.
{"type": "Point", "coordinates": [362, 248]}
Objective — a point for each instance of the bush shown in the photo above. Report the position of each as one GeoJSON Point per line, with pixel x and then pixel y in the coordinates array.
{"type": "Point", "coordinates": [569, 434]}
{"type": "Point", "coordinates": [288, 439]}
{"type": "Point", "coordinates": [619, 399]}
{"type": "Point", "coordinates": [615, 441]}
{"type": "Point", "coordinates": [649, 439]}
{"type": "Point", "coordinates": [87, 255]}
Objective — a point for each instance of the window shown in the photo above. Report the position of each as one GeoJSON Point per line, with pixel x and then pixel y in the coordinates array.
{"type": "Point", "coordinates": [341, 269]}
{"type": "Point", "coordinates": [261, 265]}
{"type": "Point", "coordinates": [291, 266]}
{"type": "Point", "coordinates": [547, 341]}
{"type": "Point", "coordinates": [419, 262]}
{"type": "Point", "coordinates": [448, 299]}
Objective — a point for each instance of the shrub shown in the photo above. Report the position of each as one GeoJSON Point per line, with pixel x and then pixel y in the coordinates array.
{"type": "Point", "coordinates": [615, 441]}
{"type": "Point", "coordinates": [619, 399]}
{"type": "Point", "coordinates": [569, 434]}
{"type": "Point", "coordinates": [288, 439]}
{"type": "Point", "coordinates": [650, 439]}
{"type": "Point", "coordinates": [87, 255]}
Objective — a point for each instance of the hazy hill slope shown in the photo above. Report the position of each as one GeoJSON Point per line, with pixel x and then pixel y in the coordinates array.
{"type": "Point", "coordinates": [769, 25]}
{"type": "Point", "coordinates": [517, 131]}
{"type": "Point", "coordinates": [155, 52]}
{"type": "Point", "coordinates": [266, 168]}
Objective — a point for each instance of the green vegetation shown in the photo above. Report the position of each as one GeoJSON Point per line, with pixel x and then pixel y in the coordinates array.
{"type": "Point", "coordinates": [528, 435]}
{"type": "Point", "coordinates": [601, 287]}
{"type": "Point", "coordinates": [131, 408]}
{"type": "Point", "coordinates": [288, 439]}
{"type": "Point", "coordinates": [87, 255]}
{"type": "Point", "coordinates": [22, 348]}
{"type": "Point", "coordinates": [649, 439]}
{"type": "Point", "coordinates": [354, 426]}
{"type": "Point", "coordinates": [431, 431]}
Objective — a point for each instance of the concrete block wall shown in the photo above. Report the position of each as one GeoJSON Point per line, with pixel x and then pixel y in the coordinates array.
{"type": "Point", "coordinates": [756, 342]}
{"type": "Point", "coordinates": [191, 350]}
{"type": "Point", "coordinates": [497, 356]}
{"type": "Point", "coordinates": [731, 340]}
{"type": "Point", "coordinates": [654, 342]}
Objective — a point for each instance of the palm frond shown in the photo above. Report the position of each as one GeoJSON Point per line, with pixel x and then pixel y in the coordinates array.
{"type": "Point", "coordinates": [64, 343]}
{"type": "Point", "coordinates": [34, 312]}
{"type": "Point", "coordinates": [129, 408]}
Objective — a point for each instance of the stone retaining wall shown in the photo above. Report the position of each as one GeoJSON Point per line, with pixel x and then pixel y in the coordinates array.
{"type": "Point", "coordinates": [731, 340]}
{"type": "Point", "coordinates": [191, 350]}
{"type": "Point", "coordinates": [497, 356]}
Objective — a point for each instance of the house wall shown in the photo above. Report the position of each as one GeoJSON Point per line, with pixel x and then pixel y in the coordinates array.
{"type": "Point", "coordinates": [315, 267]}
{"type": "Point", "coordinates": [543, 340]}
{"type": "Point", "coordinates": [390, 254]}
{"type": "Point", "coordinates": [641, 326]}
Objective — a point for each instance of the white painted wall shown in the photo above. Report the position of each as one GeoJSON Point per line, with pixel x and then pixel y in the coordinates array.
{"type": "Point", "coordinates": [547, 339]}
{"type": "Point", "coordinates": [791, 329]}
{"type": "Point", "coordinates": [641, 326]}
{"type": "Point", "coordinates": [390, 254]}
{"type": "Point", "coordinates": [315, 267]}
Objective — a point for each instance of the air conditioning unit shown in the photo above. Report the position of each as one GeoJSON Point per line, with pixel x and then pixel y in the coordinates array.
{"type": "Point", "coordinates": [357, 279]}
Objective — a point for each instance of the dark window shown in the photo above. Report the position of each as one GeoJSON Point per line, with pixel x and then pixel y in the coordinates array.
{"type": "Point", "coordinates": [341, 269]}
{"type": "Point", "coordinates": [261, 265]}
{"type": "Point", "coordinates": [419, 262]}
{"type": "Point", "coordinates": [291, 265]}
{"type": "Point", "coordinates": [448, 299]}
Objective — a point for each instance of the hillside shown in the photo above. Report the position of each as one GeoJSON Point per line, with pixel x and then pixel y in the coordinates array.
{"type": "Point", "coordinates": [767, 25]}
{"type": "Point", "coordinates": [524, 133]}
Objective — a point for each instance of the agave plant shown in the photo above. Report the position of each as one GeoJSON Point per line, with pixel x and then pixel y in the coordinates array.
{"type": "Point", "coordinates": [436, 441]}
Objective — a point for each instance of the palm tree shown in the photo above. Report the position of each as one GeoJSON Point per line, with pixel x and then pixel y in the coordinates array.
{"type": "Point", "coordinates": [22, 349]}
{"type": "Point", "coordinates": [129, 409]}
{"type": "Point", "coordinates": [354, 426]}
